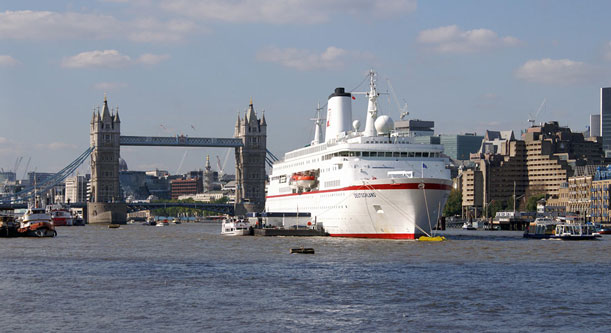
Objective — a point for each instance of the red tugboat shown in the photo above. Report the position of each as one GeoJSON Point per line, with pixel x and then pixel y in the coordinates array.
{"type": "Point", "coordinates": [37, 223]}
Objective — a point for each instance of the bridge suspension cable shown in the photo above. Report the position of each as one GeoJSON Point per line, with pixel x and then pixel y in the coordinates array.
{"type": "Point", "coordinates": [56, 179]}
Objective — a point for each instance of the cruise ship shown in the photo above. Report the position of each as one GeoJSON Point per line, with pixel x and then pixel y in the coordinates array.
{"type": "Point", "coordinates": [372, 183]}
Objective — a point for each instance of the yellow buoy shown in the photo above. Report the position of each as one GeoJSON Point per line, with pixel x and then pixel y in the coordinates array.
{"type": "Point", "coordinates": [431, 239]}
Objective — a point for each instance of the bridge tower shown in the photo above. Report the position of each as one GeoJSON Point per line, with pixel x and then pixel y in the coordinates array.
{"type": "Point", "coordinates": [106, 204]}
{"type": "Point", "coordinates": [250, 162]}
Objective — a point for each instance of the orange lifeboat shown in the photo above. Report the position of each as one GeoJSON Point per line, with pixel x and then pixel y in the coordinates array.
{"type": "Point", "coordinates": [303, 180]}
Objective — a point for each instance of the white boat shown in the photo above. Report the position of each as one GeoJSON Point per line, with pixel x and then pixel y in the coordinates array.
{"type": "Point", "coordinates": [468, 226]}
{"type": "Point", "coordinates": [36, 222]}
{"type": "Point", "coordinates": [375, 183]}
{"type": "Point", "coordinates": [235, 227]}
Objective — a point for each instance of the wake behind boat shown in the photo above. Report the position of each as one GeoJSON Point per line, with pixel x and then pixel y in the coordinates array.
{"type": "Point", "coordinates": [375, 183]}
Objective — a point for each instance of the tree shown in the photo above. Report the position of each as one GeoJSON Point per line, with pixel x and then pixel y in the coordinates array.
{"type": "Point", "coordinates": [454, 204]}
{"type": "Point", "coordinates": [531, 204]}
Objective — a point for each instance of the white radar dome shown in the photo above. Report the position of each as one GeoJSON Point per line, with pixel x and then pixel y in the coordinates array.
{"type": "Point", "coordinates": [384, 124]}
{"type": "Point", "coordinates": [356, 125]}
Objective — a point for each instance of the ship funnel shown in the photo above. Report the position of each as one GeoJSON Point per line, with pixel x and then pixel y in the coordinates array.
{"type": "Point", "coordinates": [339, 114]}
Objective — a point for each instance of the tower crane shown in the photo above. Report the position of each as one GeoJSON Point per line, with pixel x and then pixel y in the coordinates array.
{"type": "Point", "coordinates": [402, 110]}
{"type": "Point", "coordinates": [532, 117]}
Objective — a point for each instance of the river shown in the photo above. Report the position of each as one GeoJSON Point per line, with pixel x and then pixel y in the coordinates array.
{"type": "Point", "coordinates": [188, 277]}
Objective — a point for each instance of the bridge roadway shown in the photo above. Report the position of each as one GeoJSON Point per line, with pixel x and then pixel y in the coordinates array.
{"type": "Point", "coordinates": [179, 141]}
{"type": "Point", "coordinates": [134, 207]}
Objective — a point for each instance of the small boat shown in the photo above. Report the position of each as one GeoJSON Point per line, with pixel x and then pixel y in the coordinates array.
{"type": "Point", "coordinates": [603, 229]}
{"type": "Point", "coordinates": [235, 227]}
{"type": "Point", "coordinates": [8, 226]}
{"type": "Point", "coordinates": [36, 222]}
{"type": "Point", "coordinates": [546, 228]}
{"type": "Point", "coordinates": [302, 250]}
{"type": "Point", "coordinates": [468, 226]}
{"type": "Point", "coordinates": [60, 215]}
{"type": "Point", "coordinates": [162, 223]}
{"type": "Point", "coordinates": [176, 221]}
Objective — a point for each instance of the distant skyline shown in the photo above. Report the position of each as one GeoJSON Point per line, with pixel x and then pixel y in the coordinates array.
{"type": "Point", "coordinates": [188, 67]}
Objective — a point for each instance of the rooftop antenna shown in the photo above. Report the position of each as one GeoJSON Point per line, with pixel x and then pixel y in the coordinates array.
{"type": "Point", "coordinates": [532, 117]}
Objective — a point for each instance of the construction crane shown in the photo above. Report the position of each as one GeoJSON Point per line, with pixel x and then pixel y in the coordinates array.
{"type": "Point", "coordinates": [27, 166]}
{"type": "Point", "coordinates": [533, 118]}
{"type": "Point", "coordinates": [218, 163]}
{"type": "Point", "coordinates": [402, 110]}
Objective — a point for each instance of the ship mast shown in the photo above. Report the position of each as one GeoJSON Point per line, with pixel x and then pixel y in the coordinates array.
{"type": "Point", "coordinates": [372, 106]}
{"type": "Point", "coordinates": [318, 129]}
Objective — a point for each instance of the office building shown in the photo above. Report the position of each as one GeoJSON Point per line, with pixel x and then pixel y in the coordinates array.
{"type": "Point", "coordinates": [460, 146]}
{"type": "Point", "coordinates": [594, 125]}
{"type": "Point", "coordinates": [605, 117]}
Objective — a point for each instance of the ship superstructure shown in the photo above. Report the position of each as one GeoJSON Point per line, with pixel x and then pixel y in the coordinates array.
{"type": "Point", "coordinates": [362, 184]}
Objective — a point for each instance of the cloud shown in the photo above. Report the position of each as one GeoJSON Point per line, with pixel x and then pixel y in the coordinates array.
{"type": "Point", "coordinates": [105, 59]}
{"type": "Point", "coordinates": [285, 12]}
{"type": "Point", "coordinates": [7, 61]}
{"type": "Point", "coordinates": [46, 25]}
{"type": "Point", "coordinates": [304, 60]}
{"type": "Point", "coordinates": [152, 59]}
{"type": "Point", "coordinates": [110, 59]}
{"type": "Point", "coordinates": [450, 39]}
{"type": "Point", "coordinates": [109, 86]}
{"type": "Point", "coordinates": [556, 71]}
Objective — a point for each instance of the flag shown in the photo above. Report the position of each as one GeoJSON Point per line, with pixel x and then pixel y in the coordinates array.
{"type": "Point", "coordinates": [424, 166]}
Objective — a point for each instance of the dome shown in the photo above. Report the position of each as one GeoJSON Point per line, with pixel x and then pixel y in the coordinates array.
{"type": "Point", "coordinates": [122, 165]}
{"type": "Point", "coordinates": [384, 124]}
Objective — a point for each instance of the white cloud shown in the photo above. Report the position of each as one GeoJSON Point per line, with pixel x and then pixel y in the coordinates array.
{"type": "Point", "coordinates": [450, 39]}
{"type": "Point", "coordinates": [555, 71]}
{"type": "Point", "coordinates": [106, 59]}
{"type": "Point", "coordinates": [285, 12]}
{"type": "Point", "coordinates": [152, 59]}
{"type": "Point", "coordinates": [110, 59]}
{"type": "Point", "coordinates": [304, 60]}
{"type": "Point", "coordinates": [39, 25]}
{"type": "Point", "coordinates": [7, 61]}
{"type": "Point", "coordinates": [109, 86]}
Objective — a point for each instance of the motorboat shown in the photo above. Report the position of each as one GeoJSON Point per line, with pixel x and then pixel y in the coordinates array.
{"type": "Point", "coordinates": [36, 222]}
{"type": "Point", "coordinates": [235, 227]}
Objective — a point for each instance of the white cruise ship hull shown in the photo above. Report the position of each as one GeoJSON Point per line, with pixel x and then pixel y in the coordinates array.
{"type": "Point", "coordinates": [394, 208]}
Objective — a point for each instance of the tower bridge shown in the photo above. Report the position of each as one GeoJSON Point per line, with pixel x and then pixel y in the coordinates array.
{"type": "Point", "coordinates": [249, 142]}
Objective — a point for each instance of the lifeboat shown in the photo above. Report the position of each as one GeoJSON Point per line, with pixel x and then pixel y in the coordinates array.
{"type": "Point", "coordinates": [303, 180]}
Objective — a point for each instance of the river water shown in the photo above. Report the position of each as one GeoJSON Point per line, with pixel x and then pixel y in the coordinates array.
{"type": "Point", "coordinates": [187, 277]}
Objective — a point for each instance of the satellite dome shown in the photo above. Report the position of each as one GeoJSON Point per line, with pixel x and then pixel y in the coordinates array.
{"type": "Point", "coordinates": [122, 165]}
{"type": "Point", "coordinates": [356, 125]}
{"type": "Point", "coordinates": [384, 124]}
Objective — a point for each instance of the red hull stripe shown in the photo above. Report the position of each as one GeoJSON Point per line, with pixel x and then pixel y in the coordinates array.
{"type": "Point", "coordinates": [384, 236]}
{"type": "Point", "coordinates": [398, 186]}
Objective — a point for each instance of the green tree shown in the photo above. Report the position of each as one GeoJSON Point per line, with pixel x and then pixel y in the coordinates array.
{"type": "Point", "coordinates": [454, 204]}
{"type": "Point", "coordinates": [531, 204]}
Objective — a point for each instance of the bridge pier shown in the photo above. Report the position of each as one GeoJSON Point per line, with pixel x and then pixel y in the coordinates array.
{"type": "Point", "coordinates": [107, 213]}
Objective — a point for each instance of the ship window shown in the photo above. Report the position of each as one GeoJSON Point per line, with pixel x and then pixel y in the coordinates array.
{"type": "Point", "coordinates": [365, 154]}
{"type": "Point", "coordinates": [373, 154]}
{"type": "Point", "coordinates": [403, 154]}
{"type": "Point", "coordinates": [410, 154]}
{"type": "Point", "coordinates": [425, 154]}
{"type": "Point", "coordinates": [344, 153]}
{"type": "Point", "coordinates": [418, 154]}
{"type": "Point", "coordinates": [335, 154]}
{"type": "Point", "coordinates": [395, 154]}
{"type": "Point", "coordinates": [352, 154]}
{"type": "Point", "coordinates": [388, 154]}
{"type": "Point", "coordinates": [357, 153]}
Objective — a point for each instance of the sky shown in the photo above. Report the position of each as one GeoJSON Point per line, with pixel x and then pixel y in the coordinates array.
{"type": "Point", "coordinates": [190, 66]}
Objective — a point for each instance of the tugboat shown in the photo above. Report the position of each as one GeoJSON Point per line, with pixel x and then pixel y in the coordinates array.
{"type": "Point", "coordinates": [8, 226]}
{"type": "Point", "coordinates": [37, 223]}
